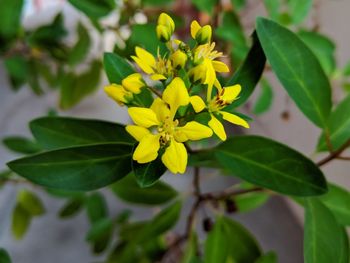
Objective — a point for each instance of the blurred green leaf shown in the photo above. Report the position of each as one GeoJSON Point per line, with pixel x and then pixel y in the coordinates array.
{"type": "Point", "coordinates": [99, 229]}
{"type": "Point", "coordinates": [273, 8]}
{"type": "Point", "coordinates": [323, 48]}
{"type": "Point", "coordinates": [31, 202]}
{"type": "Point", "coordinates": [299, 9]}
{"type": "Point", "coordinates": [238, 4]}
{"type": "Point", "coordinates": [21, 145]}
{"type": "Point", "coordinates": [10, 18]}
{"type": "Point", "coordinates": [59, 132]}
{"type": "Point", "coordinates": [157, 2]}
{"type": "Point", "coordinates": [71, 208]}
{"type": "Point", "coordinates": [339, 127]}
{"type": "Point", "coordinates": [338, 201]}
{"type": "Point", "coordinates": [270, 164]}
{"type": "Point", "coordinates": [346, 69]}
{"type": "Point", "coordinates": [81, 47]}
{"type": "Point", "coordinates": [250, 201]}
{"type": "Point", "coordinates": [74, 88]}
{"type": "Point", "coordinates": [78, 168]}
{"type": "Point", "coordinates": [323, 236]}
{"type": "Point", "coordinates": [190, 254]}
{"type": "Point", "coordinates": [4, 256]}
{"type": "Point", "coordinates": [94, 8]}
{"type": "Point", "coordinates": [21, 219]}
{"type": "Point", "coordinates": [264, 101]}
{"type": "Point", "coordinates": [206, 6]}
{"type": "Point", "coordinates": [269, 257]}
{"type": "Point", "coordinates": [148, 174]}
{"type": "Point", "coordinates": [248, 74]}
{"type": "Point", "coordinates": [226, 235]}
{"type": "Point", "coordinates": [116, 67]}
{"type": "Point", "coordinates": [18, 69]}
{"type": "Point", "coordinates": [298, 70]}
{"type": "Point", "coordinates": [128, 190]}
{"type": "Point", "coordinates": [96, 207]}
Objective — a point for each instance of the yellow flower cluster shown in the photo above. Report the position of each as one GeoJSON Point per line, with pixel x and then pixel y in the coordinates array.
{"type": "Point", "coordinates": [165, 127]}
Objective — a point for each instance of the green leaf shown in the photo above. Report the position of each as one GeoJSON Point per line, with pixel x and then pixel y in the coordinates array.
{"type": "Point", "coordinates": [298, 70]}
{"type": "Point", "coordinates": [75, 88]}
{"type": "Point", "coordinates": [31, 202]}
{"type": "Point", "coordinates": [338, 201]}
{"type": "Point", "coordinates": [265, 98]}
{"type": "Point", "coordinates": [190, 254]}
{"type": "Point", "coordinates": [323, 236]}
{"type": "Point", "coordinates": [18, 69]}
{"type": "Point", "coordinates": [71, 208]}
{"type": "Point", "coordinates": [21, 145]}
{"type": "Point", "coordinates": [339, 127]}
{"type": "Point", "coordinates": [273, 8]}
{"type": "Point", "coordinates": [116, 67]}
{"type": "Point", "coordinates": [230, 241]}
{"type": "Point", "coordinates": [250, 201]}
{"type": "Point", "coordinates": [346, 69]}
{"type": "Point", "coordinates": [96, 207]}
{"type": "Point", "coordinates": [205, 5]}
{"type": "Point", "coordinates": [59, 132]}
{"type": "Point", "coordinates": [238, 4]}
{"type": "Point", "coordinates": [128, 190]}
{"type": "Point", "coordinates": [99, 229]}
{"type": "Point", "coordinates": [248, 74]}
{"type": "Point", "coordinates": [78, 168]}
{"type": "Point", "coordinates": [4, 256]}
{"type": "Point", "coordinates": [323, 48]}
{"type": "Point", "coordinates": [269, 257]}
{"type": "Point", "coordinates": [299, 9]}
{"type": "Point", "coordinates": [156, 2]}
{"type": "Point", "coordinates": [148, 174]}
{"type": "Point", "coordinates": [81, 47]}
{"type": "Point", "coordinates": [10, 17]}
{"type": "Point", "coordinates": [94, 8]}
{"type": "Point", "coordinates": [270, 164]}
{"type": "Point", "coordinates": [21, 219]}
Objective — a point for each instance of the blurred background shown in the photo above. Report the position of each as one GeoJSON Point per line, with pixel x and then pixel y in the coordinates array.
{"type": "Point", "coordinates": [277, 224]}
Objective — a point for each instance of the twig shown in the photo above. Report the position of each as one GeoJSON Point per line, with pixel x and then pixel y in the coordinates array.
{"type": "Point", "coordinates": [155, 91]}
{"type": "Point", "coordinates": [344, 158]}
{"type": "Point", "coordinates": [227, 194]}
{"type": "Point", "coordinates": [334, 154]}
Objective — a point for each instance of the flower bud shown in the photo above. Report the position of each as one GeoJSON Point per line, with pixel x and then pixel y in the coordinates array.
{"type": "Point", "coordinates": [204, 35]}
{"type": "Point", "coordinates": [118, 93]}
{"type": "Point", "coordinates": [198, 74]}
{"type": "Point", "coordinates": [133, 83]}
{"type": "Point", "coordinates": [163, 33]}
{"type": "Point", "coordinates": [178, 59]}
{"type": "Point", "coordinates": [165, 27]}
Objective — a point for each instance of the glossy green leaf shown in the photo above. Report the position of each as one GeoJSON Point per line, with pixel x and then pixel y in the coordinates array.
{"type": "Point", "coordinates": [128, 190]}
{"type": "Point", "coordinates": [269, 257]}
{"type": "Point", "coordinates": [78, 168]}
{"type": "Point", "coordinates": [205, 5]}
{"type": "Point", "coordinates": [21, 220]}
{"type": "Point", "coordinates": [4, 256]}
{"type": "Point", "coordinates": [71, 208]}
{"type": "Point", "coordinates": [298, 70]}
{"type": "Point", "coordinates": [21, 144]}
{"type": "Point", "coordinates": [31, 202]}
{"type": "Point", "coordinates": [249, 73]}
{"type": "Point", "coordinates": [230, 241]}
{"type": "Point", "coordinates": [94, 8]}
{"type": "Point", "coordinates": [74, 88]}
{"type": "Point", "coordinates": [323, 48]}
{"type": "Point", "coordinates": [81, 47]}
{"type": "Point", "coordinates": [299, 9]}
{"type": "Point", "coordinates": [60, 132]}
{"type": "Point", "coordinates": [270, 164]}
{"type": "Point", "coordinates": [323, 236]}
{"type": "Point", "coordinates": [339, 126]}
{"type": "Point", "coordinates": [116, 67]}
{"type": "Point", "coordinates": [265, 98]}
{"type": "Point", "coordinates": [10, 17]}
{"type": "Point", "coordinates": [96, 206]}
{"type": "Point", "coordinates": [338, 201]}
{"type": "Point", "coordinates": [148, 174]}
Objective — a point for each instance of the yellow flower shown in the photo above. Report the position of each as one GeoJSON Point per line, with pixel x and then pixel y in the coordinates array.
{"type": "Point", "coordinates": [224, 97]}
{"type": "Point", "coordinates": [201, 34]}
{"type": "Point", "coordinates": [178, 58]}
{"type": "Point", "coordinates": [159, 68]}
{"type": "Point", "coordinates": [159, 118]}
{"type": "Point", "coordinates": [133, 83]}
{"type": "Point", "coordinates": [119, 93]}
{"type": "Point", "coordinates": [165, 27]}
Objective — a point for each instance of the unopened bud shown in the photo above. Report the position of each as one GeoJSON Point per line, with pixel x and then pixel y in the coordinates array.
{"type": "Point", "coordinates": [118, 93]}
{"type": "Point", "coordinates": [165, 27]}
{"type": "Point", "coordinates": [163, 33]}
{"type": "Point", "coordinates": [178, 59]}
{"type": "Point", "coordinates": [203, 35]}
{"type": "Point", "coordinates": [133, 83]}
{"type": "Point", "coordinates": [230, 206]}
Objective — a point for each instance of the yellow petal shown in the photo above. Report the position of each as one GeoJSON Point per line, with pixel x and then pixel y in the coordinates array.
{"type": "Point", "coordinates": [118, 93]}
{"type": "Point", "coordinates": [157, 77]}
{"type": "Point", "coordinates": [196, 131]}
{"type": "Point", "coordinates": [144, 117]}
{"type": "Point", "coordinates": [217, 128]}
{"type": "Point", "coordinates": [234, 119]}
{"type": "Point", "coordinates": [133, 83]}
{"type": "Point", "coordinates": [230, 93]}
{"type": "Point", "coordinates": [161, 109]}
{"type": "Point", "coordinates": [176, 95]}
{"type": "Point", "coordinates": [210, 72]}
{"type": "Point", "coordinates": [165, 20]}
{"type": "Point", "coordinates": [197, 103]}
{"type": "Point", "coordinates": [144, 60]}
{"type": "Point", "coordinates": [220, 66]}
{"type": "Point", "coordinates": [194, 28]}
{"type": "Point", "coordinates": [137, 132]}
{"type": "Point", "coordinates": [163, 33]}
{"type": "Point", "coordinates": [144, 66]}
{"type": "Point", "coordinates": [147, 149]}
{"type": "Point", "coordinates": [175, 157]}
{"type": "Point", "coordinates": [218, 85]}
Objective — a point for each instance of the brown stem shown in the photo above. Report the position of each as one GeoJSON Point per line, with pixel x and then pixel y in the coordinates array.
{"type": "Point", "coordinates": [344, 158]}
{"type": "Point", "coordinates": [334, 154]}
{"type": "Point", "coordinates": [155, 91]}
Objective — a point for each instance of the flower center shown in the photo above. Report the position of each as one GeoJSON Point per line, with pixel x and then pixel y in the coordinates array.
{"type": "Point", "coordinates": [167, 130]}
